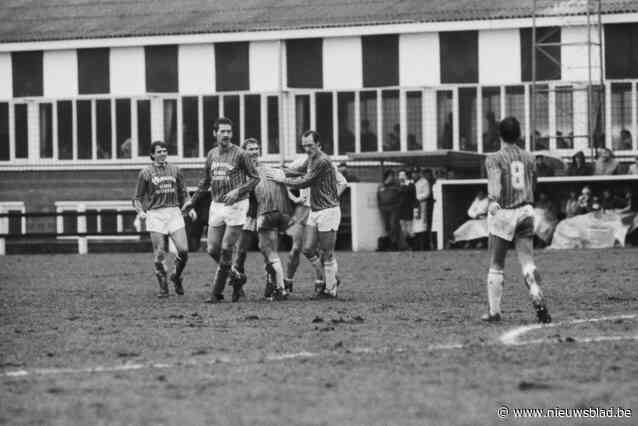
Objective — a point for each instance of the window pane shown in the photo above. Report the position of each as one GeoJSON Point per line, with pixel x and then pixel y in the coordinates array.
{"type": "Point", "coordinates": [444, 129]}
{"type": "Point", "coordinates": [541, 130]}
{"type": "Point", "coordinates": [491, 113]}
{"type": "Point", "coordinates": [564, 118]}
{"type": "Point", "coordinates": [143, 127]}
{"type": "Point", "coordinates": [231, 110]}
{"type": "Point", "coordinates": [91, 221]}
{"type": "Point", "coordinates": [273, 125]}
{"type": "Point", "coordinates": [368, 107]}
{"type": "Point", "coordinates": [65, 130]}
{"type": "Point", "coordinates": [21, 131]}
{"type": "Point", "coordinates": [123, 127]}
{"type": "Point", "coordinates": [109, 221]}
{"type": "Point", "coordinates": [46, 130]}
{"type": "Point", "coordinates": [190, 126]}
{"type": "Point", "coordinates": [467, 119]}
{"type": "Point", "coordinates": [170, 125]}
{"type": "Point", "coordinates": [128, 221]}
{"type": "Point", "coordinates": [415, 120]}
{"type": "Point", "coordinates": [597, 112]}
{"type": "Point", "coordinates": [211, 113]}
{"type": "Point", "coordinates": [70, 223]}
{"type": "Point", "coordinates": [84, 132]}
{"type": "Point", "coordinates": [380, 54]}
{"type": "Point", "coordinates": [304, 63]}
{"type": "Point", "coordinates": [621, 112]}
{"type": "Point", "coordinates": [161, 68]}
{"type": "Point", "coordinates": [93, 70]}
{"type": "Point", "coordinates": [252, 117]}
{"type": "Point", "coordinates": [515, 106]}
{"type": "Point", "coordinates": [15, 222]}
{"type": "Point", "coordinates": [323, 108]}
{"type": "Point", "coordinates": [103, 128]}
{"type": "Point", "coordinates": [346, 119]}
{"type": "Point", "coordinates": [302, 118]}
{"type": "Point", "coordinates": [459, 56]}
{"type": "Point", "coordinates": [4, 131]}
{"type": "Point", "coordinates": [27, 73]}
{"type": "Point", "coordinates": [391, 127]}
{"type": "Point", "coordinates": [231, 68]}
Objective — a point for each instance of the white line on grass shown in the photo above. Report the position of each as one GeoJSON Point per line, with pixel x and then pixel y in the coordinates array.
{"type": "Point", "coordinates": [509, 338]}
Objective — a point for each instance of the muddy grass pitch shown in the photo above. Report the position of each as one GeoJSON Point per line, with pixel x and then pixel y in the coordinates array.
{"type": "Point", "coordinates": [83, 340]}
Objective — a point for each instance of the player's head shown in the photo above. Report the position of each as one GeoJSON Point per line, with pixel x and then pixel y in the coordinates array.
{"type": "Point", "coordinates": [251, 146]}
{"type": "Point", "coordinates": [223, 131]}
{"type": "Point", "coordinates": [509, 129]}
{"type": "Point", "coordinates": [159, 151]}
{"type": "Point", "coordinates": [311, 142]}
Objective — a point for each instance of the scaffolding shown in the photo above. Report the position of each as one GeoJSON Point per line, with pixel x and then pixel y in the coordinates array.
{"type": "Point", "coordinates": [588, 125]}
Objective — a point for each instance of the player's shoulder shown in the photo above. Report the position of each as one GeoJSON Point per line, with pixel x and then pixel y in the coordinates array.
{"type": "Point", "coordinates": [493, 159]}
{"type": "Point", "coordinates": [146, 171]}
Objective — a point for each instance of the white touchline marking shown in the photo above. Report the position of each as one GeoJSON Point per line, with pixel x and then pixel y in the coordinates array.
{"type": "Point", "coordinates": [510, 338]}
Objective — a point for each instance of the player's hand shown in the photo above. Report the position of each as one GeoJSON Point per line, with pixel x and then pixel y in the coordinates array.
{"type": "Point", "coordinates": [187, 206]}
{"type": "Point", "coordinates": [493, 208]}
{"type": "Point", "coordinates": [231, 197]}
{"type": "Point", "coordinates": [142, 215]}
{"type": "Point", "coordinates": [192, 214]}
{"type": "Point", "coordinates": [274, 175]}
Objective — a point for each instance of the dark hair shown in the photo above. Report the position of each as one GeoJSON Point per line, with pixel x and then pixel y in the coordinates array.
{"type": "Point", "coordinates": [222, 120]}
{"type": "Point", "coordinates": [509, 129]}
{"type": "Point", "coordinates": [314, 134]}
{"type": "Point", "coordinates": [156, 144]}
{"type": "Point", "coordinates": [249, 141]}
{"type": "Point", "coordinates": [387, 173]}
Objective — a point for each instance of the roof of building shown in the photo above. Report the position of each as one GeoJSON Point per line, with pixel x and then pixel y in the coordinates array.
{"type": "Point", "coordinates": [40, 20]}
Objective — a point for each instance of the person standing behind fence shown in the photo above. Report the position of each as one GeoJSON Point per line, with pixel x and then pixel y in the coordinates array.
{"type": "Point", "coordinates": [422, 189]}
{"type": "Point", "coordinates": [162, 185]}
{"type": "Point", "coordinates": [406, 208]}
{"type": "Point", "coordinates": [388, 198]}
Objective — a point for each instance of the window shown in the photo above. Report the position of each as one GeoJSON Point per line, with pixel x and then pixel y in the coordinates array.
{"type": "Point", "coordinates": [323, 108]}
{"type": "Point", "coordinates": [84, 129]}
{"type": "Point", "coordinates": [211, 113]}
{"type": "Point", "coordinates": [345, 114]}
{"type": "Point", "coordinates": [597, 112]}
{"type": "Point", "coordinates": [143, 127]}
{"type": "Point", "coordinates": [380, 54]}
{"type": "Point", "coordinates": [190, 126]}
{"type": "Point", "coordinates": [564, 118]}
{"type": "Point", "coordinates": [540, 134]}
{"type": "Point", "coordinates": [17, 222]}
{"type": "Point", "coordinates": [21, 131]}
{"type": "Point", "coordinates": [170, 125]}
{"type": "Point", "coordinates": [621, 113]}
{"type": "Point", "coordinates": [515, 106]}
{"type": "Point", "coordinates": [414, 105]}
{"type": "Point", "coordinates": [46, 130]}
{"type": "Point", "coordinates": [368, 106]}
{"type": "Point", "coordinates": [27, 74]}
{"type": "Point", "coordinates": [304, 63]}
{"type": "Point", "coordinates": [467, 119]}
{"type": "Point", "coordinates": [273, 125]}
{"type": "Point", "coordinates": [123, 128]}
{"type": "Point", "coordinates": [491, 103]}
{"type": "Point", "coordinates": [302, 118]}
{"type": "Point", "coordinates": [4, 132]}
{"type": "Point", "coordinates": [621, 50]}
{"type": "Point", "coordinates": [252, 117]}
{"type": "Point", "coordinates": [546, 67]}
{"type": "Point", "coordinates": [231, 67]}
{"type": "Point", "coordinates": [93, 71]}
{"type": "Point", "coordinates": [161, 68]}
{"type": "Point", "coordinates": [231, 110]}
{"type": "Point", "coordinates": [391, 120]}
{"type": "Point", "coordinates": [444, 122]}
{"type": "Point", "coordinates": [459, 56]}
{"type": "Point", "coordinates": [103, 130]}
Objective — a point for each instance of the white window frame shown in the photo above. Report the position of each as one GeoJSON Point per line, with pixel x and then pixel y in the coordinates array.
{"type": "Point", "coordinates": [8, 206]}
{"type": "Point", "coordinates": [120, 206]}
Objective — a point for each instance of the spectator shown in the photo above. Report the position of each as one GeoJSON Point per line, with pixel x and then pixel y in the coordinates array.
{"type": "Point", "coordinates": [633, 169]}
{"type": "Point", "coordinates": [423, 193]}
{"type": "Point", "coordinates": [571, 205]}
{"type": "Point", "coordinates": [343, 169]}
{"type": "Point", "coordinates": [606, 164]}
{"type": "Point", "coordinates": [429, 207]}
{"type": "Point", "coordinates": [579, 166]}
{"type": "Point", "coordinates": [585, 201]}
{"type": "Point", "coordinates": [625, 140]}
{"type": "Point", "coordinates": [542, 168]}
{"type": "Point", "coordinates": [474, 230]}
{"type": "Point", "coordinates": [545, 218]}
{"type": "Point", "coordinates": [388, 198]}
{"type": "Point", "coordinates": [368, 137]}
{"type": "Point", "coordinates": [406, 207]}
{"type": "Point", "coordinates": [610, 202]}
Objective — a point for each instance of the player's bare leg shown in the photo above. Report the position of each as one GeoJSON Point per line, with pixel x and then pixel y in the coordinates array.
{"type": "Point", "coordinates": [268, 239]}
{"type": "Point", "coordinates": [310, 241]}
{"type": "Point", "coordinates": [296, 232]}
{"type": "Point", "coordinates": [498, 251]}
{"type": "Point", "coordinates": [214, 245]}
{"type": "Point", "coordinates": [327, 240]}
{"type": "Point", "coordinates": [229, 239]}
{"type": "Point", "coordinates": [237, 274]}
{"type": "Point", "coordinates": [157, 239]}
{"type": "Point", "coordinates": [525, 251]}
{"type": "Point", "coordinates": [181, 244]}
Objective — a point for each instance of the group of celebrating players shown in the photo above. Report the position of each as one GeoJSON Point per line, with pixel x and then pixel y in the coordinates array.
{"type": "Point", "coordinates": [248, 196]}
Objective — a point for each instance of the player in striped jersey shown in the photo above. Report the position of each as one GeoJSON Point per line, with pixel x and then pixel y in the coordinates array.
{"type": "Point", "coordinates": [511, 178]}
{"type": "Point", "coordinates": [159, 195]}
{"type": "Point", "coordinates": [319, 174]}
{"type": "Point", "coordinates": [229, 175]}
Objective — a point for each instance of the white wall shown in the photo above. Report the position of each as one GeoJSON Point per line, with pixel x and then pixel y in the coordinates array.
{"type": "Point", "coordinates": [196, 68]}
{"type": "Point", "coordinates": [574, 58]}
{"type": "Point", "coordinates": [128, 72]}
{"type": "Point", "coordinates": [6, 88]}
{"type": "Point", "coordinates": [342, 63]}
{"type": "Point", "coordinates": [419, 59]}
{"type": "Point", "coordinates": [60, 73]}
{"type": "Point", "coordinates": [499, 56]}
{"type": "Point", "coordinates": [366, 223]}
{"type": "Point", "coordinates": [264, 66]}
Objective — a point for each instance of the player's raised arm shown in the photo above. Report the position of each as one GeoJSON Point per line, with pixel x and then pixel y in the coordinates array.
{"type": "Point", "coordinates": [312, 175]}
